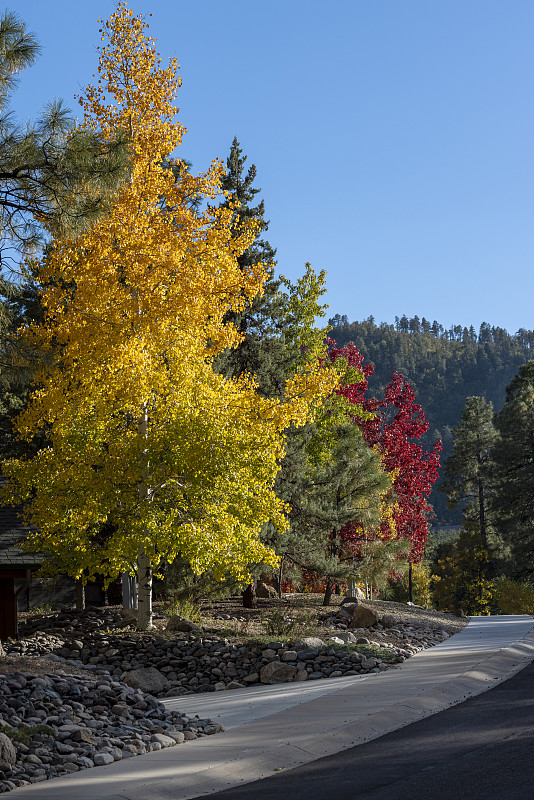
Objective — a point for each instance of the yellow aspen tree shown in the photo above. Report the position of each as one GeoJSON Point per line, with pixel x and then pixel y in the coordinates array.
{"type": "Point", "coordinates": [151, 453]}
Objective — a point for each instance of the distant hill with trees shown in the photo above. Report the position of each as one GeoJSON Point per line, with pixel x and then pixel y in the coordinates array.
{"type": "Point", "coordinates": [444, 367]}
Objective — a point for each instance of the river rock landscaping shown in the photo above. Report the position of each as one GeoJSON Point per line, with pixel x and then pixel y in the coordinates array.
{"type": "Point", "coordinates": [58, 723]}
{"type": "Point", "coordinates": [90, 694]}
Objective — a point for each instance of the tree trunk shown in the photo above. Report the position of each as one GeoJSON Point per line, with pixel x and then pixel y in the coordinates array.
{"type": "Point", "coordinates": [144, 565]}
{"type": "Point", "coordinates": [129, 592]}
{"type": "Point", "coordinates": [333, 551]}
{"type": "Point", "coordinates": [80, 595]}
{"type": "Point", "coordinates": [410, 584]}
{"type": "Point", "coordinates": [278, 578]}
{"type": "Point", "coordinates": [249, 596]}
{"type": "Point", "coordinates": [144, 568]}
{"type": "Point", "coordinates": [328, 592]}
{"type": "Point", "coordinates": [482, 513]}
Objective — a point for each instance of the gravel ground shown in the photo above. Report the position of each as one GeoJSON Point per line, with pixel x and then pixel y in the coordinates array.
{"type": "Point", "coordinates": [420, 616]}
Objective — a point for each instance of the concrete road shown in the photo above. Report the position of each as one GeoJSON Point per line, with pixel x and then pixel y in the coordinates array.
{"type": "Point", "coordinates": [479, 750]}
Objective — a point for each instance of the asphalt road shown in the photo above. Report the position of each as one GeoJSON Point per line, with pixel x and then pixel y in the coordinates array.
{"type": "Point", "coordinates": [481, 749]}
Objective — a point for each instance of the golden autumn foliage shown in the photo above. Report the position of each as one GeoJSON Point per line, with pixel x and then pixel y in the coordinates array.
{"type": "Point", "coordinates": [151, 450]}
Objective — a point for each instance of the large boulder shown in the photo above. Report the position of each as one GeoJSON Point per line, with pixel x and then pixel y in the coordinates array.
{"type": "Point", "coordinates": [277, 672]}
{"type": "Point", "coordinates": [346, 610]}
{"type": "Point", "coordinates": [148, 679]}
{"type": "Point", "coordinates": [8, 754]}
{"type": "Point", "coordinates": [178, 624]}
{"type": "Point", "coordinates": [363, 617]}
{"type": "Point", "coordinates": [266, 592]}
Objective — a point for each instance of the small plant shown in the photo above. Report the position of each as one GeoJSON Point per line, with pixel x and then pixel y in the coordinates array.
{"type": "Point", "coordinates": [44, 608]}
{"type": "Point", "coordinates": [183, 608]}
{"type": "Point", "coordinates": [24, 735]}
{"type": "Point", "coordinates": [280, 625]}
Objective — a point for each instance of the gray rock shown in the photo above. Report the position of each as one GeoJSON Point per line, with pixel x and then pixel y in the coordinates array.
{"type": "Point", "coordinates": [215, 727]}
{"type": "Point", "coordinates": [263, 590]}
{"type": "Point", "coordinates": [148, 679]}
{"type": "Point", "coordinates": [83, 735]}
{"type": "Point", "coordinates": [347, 637]}
{"type": "Point", "coordinates": [8, 754]}
{"type": "Point", "coordinates": [289, 655]}
{"type": "Point", "coordinates": [307, 653]}
{"type": "Point", "coordinates": [277, 672]}
{"type": "Point", "coordinates": [178, 624]}
{"type": "Point", "coordinates": [363, 617]}
{"type": "Point", "coordinates": [164, 741]}
{"type": "Point", "coordinates": [369, 663]}
{"type": "Point", "coordinates": [120, 710]}
{"type": "Point", "coordinates": [307, 641]}
{"type": "Point", "coordinates": [346, 611]}
{"type": "Point", "coordinates": [101, 759]}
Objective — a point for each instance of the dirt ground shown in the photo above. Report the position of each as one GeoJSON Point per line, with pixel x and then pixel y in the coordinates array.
{"type": "Point", "coordinates": [306, 609]}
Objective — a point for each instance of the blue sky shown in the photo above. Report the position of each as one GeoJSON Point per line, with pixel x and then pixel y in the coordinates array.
{"type": "Point", "coordinates": [393, 140]}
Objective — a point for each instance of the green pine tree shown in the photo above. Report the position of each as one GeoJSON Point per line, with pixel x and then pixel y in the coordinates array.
{"type": "Point", "coordinates": [468, 468]}
{"type": "Point", "coordinates": [329, 477]}
{"type": "Point", "coordinates": [262, 351]}
{"type": "Point", "coordinates": [52, 175]}
{"type": "Point", "coordinates": [513, 459]}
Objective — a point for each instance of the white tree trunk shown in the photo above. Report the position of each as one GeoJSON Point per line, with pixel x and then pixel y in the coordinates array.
{"type": "Point", "coordinates": [144, 568]}
{"type": "Point", "coordinates": [80, 595]}
{"type": "Point", "coordinates": [129, 592]}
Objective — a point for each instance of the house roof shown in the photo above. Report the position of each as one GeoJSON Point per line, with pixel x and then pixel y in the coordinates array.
{"type": "Point", "coordinates": [12, 534]}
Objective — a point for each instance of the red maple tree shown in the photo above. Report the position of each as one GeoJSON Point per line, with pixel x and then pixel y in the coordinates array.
{"type": "Point", "coordinates": [398, 420]}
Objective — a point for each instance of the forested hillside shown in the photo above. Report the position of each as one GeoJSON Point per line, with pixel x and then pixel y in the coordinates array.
{"type": "Point", "coordinates": [443, 366]}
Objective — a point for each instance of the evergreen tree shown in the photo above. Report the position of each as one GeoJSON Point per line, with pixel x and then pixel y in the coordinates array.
{"type": "Point", "coordinates": [279, 332]}
{"type": "Point", "coordinates": [53, 175]}
{"type": "Point", "coordinates": [459, 578]}
{"type": "Point", "coordinates": [261, 321]}
{"type": "Point", "coordinates": [513, 459]}
{"type": "Point", "coordinates": [54, 178]}
{"type": "Point", "coordinates": [329, 477]}
{"type": "Point", "coordinates": [468, 467]}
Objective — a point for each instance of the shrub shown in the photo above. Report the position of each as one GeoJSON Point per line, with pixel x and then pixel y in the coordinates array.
{"type": "Point", "coordinates": [513, 597]}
